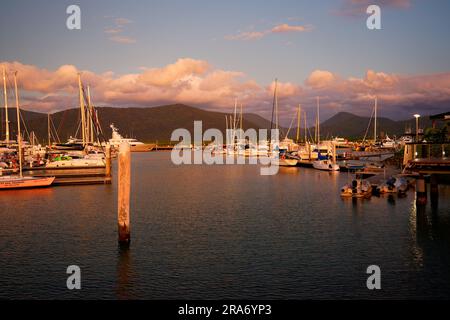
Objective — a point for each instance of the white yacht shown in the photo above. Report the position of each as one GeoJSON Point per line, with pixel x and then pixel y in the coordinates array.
{"type": "Point", "coordinates": [87, 161]}
{"type": "Point", "coordinates": [136, 146]}
{"type": "Point", "coordinates": [326, 165]}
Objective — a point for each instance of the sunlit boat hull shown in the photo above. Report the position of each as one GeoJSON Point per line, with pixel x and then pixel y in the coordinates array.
{"type": "Point", "coordinates": [142, 147]}
{"type": "Point", "coordinates": [286, 162]}
{"type": "Point", "coordinates": [325, 166]}
{"type": "Point", "coordinates": [9, 182]}
{"type": "Point", "coordinates": [77, 163]}
{"type": "Point", "coordinates": [358, 189]}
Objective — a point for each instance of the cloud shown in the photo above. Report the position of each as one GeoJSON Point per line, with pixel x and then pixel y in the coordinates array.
{"type": "Point", "coordinates": [320, 79]}
{"type": "Point", "coordinates": [122, 39]}
{"type": "Point", "coordinates": [122, 21]}
{"type": "Point", "coordinates": [352, 8]}
{"type": "Point", "coordinates": [113, 30]}
{"type": "Point", "coordinates": [198, 83]}
{"type": "Point", "coordinates": [285, 28]}
{"type": "Point", "coordinates": [254, 35]}
{"type": "Point", "coordinates": [281, 28]}
{"type": "Point", "coordinates": [117, 32]}
{"type": "Point", "coordinates": [173, 74]}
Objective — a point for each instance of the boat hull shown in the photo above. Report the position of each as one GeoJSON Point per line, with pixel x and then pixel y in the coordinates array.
{"type": "Point", "coordinates": [77, 163]}
{"type": "Point", "coordinates": [319, 165]}
{"type": "Point", "coordinates": [142, 147]}
{"type": "Point", "coordinates": [287, 162]}
{"type": "Point", "coordinates": [26, 182]}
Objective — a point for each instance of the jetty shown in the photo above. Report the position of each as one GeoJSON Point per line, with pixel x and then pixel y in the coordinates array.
{"type": "Point", "coordinates": [428, 161]}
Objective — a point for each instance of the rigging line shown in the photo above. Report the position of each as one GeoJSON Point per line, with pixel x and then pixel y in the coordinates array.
{"type": "Point", "coordinates": [290, 126]}
{"type": "Point", "coordinates": [370, 122]}
{"type": "Point", "coordinates": [78, 129]}
{"type": "Point", "coordinates": [273, 107]}
{"type": "Point", "coordinates": [61, 122]}
{"type": "Point", "coordinates": [54, 132]}
{"type": "Point", "coordinates": [310, 135]}
{"type": "Point", "coordinates": [23, 123]}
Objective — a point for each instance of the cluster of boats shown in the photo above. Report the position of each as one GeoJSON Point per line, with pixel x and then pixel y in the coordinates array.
{"type": "Point", "coordinates": [363, 188]}
{"type": "Point", "coordinates": [330, 155]}
{"type": "Point", "coordinates": [19, 156]}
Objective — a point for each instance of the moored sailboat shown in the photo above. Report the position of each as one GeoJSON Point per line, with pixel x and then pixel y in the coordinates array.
{"type": "Point", "coordinates": [19, 181]}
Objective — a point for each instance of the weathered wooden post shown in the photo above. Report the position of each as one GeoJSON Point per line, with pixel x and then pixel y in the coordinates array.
{"type": "Point", "coordinates": [124, 186]}
{"type": "Point", "coordinates": [421, 191]}
{"type": "Point", "coordinates": [434, 189]}
{"type": "Point", "coordinates": [108, 163]}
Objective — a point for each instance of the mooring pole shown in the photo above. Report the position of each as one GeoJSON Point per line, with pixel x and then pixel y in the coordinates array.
{"type": "Point", "coordinates": [434, 189]}
{"type": "Point", "coordinates": [421, 191]}
{"type": "Point", "coordinates": [108, 161]}
{"type": "Point", "coordinates": [124, 180]}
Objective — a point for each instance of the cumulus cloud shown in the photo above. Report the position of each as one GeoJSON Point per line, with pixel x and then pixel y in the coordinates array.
{"type": "Point", "coordinates": [320, 79]}
{"type": "Point", "coordinates": [198, 83]}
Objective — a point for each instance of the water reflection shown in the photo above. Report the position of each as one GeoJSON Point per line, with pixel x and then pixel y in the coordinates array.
{"type": "Point", "coordinates": [430, 231]}
{"type": "Point", "coordinates": [124, 286]}
{"type": "Point", "coordinates": [391, 199]}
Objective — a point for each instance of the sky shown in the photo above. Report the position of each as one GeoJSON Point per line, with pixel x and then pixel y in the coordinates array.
{"type": "Point", "coordinates": [209, 53]}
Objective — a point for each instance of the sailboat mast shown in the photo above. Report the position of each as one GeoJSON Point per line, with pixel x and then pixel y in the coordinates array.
{"type": "Point", "coordinates": [91, 121]}
{"type": "Point", "coordinates": [48, 130]}
{"type": "Point", "coordinates": [276, 106]}
{"type": "Point", "coordinates": [318, 120]}
{"type": "Point", "coordinates": [19, 139]}
{"type": "Point", "coordinates": [6, 105]}
{"type": "Point", "coordinates": [298, 123]}
{"type": "Point", "coordinates": [306, 129]}
{"type": "Point", "coordinates": [375, 122]}
{"type": "Point", "coordinates": [241, 118]}
{"type": "Point", "coordinates": [82, 110]}
{"type": "Point", "coordinates": [235, 112]}
{"type": "Point", "coordinates": [226, 128]}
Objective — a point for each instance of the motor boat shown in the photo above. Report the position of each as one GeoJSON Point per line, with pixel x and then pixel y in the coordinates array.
{"type": "Point", "coordinates": [358, 188]}
{"type": "Point", "coordinates": [326, 165]}
{"type": "Point", "coordinates": [135, 145]}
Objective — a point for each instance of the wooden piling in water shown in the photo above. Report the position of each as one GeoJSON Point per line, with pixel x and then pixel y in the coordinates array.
{"type": "Point", "coordinates": [108, 163]}
{"type": "Point", "coordinates": [421, 191]}
{"type": "Point", "coordinates": [124, 188]}
{"type": "Point", "coordinates": [434, 189]}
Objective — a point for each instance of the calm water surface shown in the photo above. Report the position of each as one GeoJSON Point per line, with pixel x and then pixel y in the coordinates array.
{"type": "Point", "coordinates": [212, 232]}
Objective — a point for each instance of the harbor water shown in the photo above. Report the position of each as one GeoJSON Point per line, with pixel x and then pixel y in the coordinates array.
{"type": "Point", "coordinates": [222, 232]}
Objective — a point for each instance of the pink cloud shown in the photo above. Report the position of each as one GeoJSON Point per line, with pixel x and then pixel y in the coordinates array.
{"type": "Point", "coordinates": [254, 35]}
{"type": "Point", "coordinates": [117, 31]}
{"type": "Point", "coordinates": [320, 79]}
{"type": "Point", "coordinates": [181, 70]}
{"type": "Point", "coordinates": [281, 28]}
{"type": "Point", "coordinates": [198, 83]}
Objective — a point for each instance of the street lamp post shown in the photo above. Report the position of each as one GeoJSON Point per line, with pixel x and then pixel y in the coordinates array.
{"type": "Point", "coordinates": [417, 116]}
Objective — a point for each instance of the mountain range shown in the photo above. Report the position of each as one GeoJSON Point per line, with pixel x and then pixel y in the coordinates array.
{"type": "Point", "coordinates": [153, 124]}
